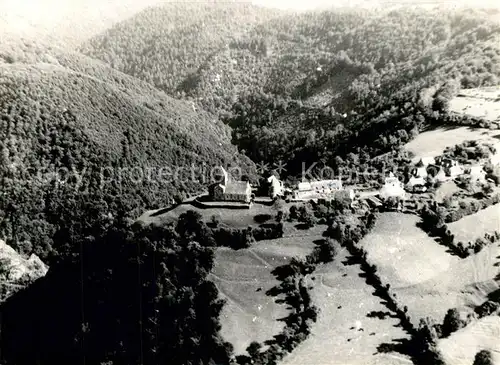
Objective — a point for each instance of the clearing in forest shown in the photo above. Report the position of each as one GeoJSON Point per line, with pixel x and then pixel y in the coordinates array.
{"type": "Point", "coordinates": [474, 226]}
{"type": "Point", "coordinates": [481, 103]}
{"type": "Point", "coordinates": [432, 143]}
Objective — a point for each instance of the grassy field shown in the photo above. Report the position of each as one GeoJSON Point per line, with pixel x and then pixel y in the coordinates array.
{"type": "Point", "coordinates": [479, 103]}
{"type": "Point", "coordinates": [344, 334]}
{"type": "Point", "coordinates": [404, 254]}
{"type": "Point", "coordinates": [434, 142]}
{"type": "Point", "coordinates": [236, 218]}
{"type": "Point", "coordinates": [244, 276]}
{"type": "Point", "coordinates": [424, 277]}
{"type": "Point", "coordinates": [461, 347]}
{"type": "Point", "coordinates": [476, 225]}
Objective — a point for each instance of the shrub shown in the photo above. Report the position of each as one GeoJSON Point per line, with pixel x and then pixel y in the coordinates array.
{"type": "Point", "coordinates": [262, 218]}
{"type": "Point", "coordinates": [483, 357]}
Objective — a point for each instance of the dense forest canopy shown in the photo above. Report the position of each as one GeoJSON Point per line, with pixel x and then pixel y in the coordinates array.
{"type": "Point", "coordinates": [105, 134]}
{"type": "Point", "coordinates": [318, 82]}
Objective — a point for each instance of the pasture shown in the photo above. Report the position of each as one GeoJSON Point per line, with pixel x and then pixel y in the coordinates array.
{"type": "Point", "coordinates": [243, 277]}
{"type": "Point", "coordinates": [461, 347]}
{"type": "Point", "coordinates": [481, 103]}
{"type": "Point", "coordinates": [433, 142]}
{"type": "Point", "coordinates": [344, 333]}
{"type": "Point", "coordinates": [424, 277]}
{"type": "Point", "coordinates": [236, 218]}
{"type": "Point", "coordinates": [474, 226]}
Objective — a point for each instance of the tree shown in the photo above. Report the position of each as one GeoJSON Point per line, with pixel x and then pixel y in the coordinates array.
{"type": "Point", "coordinates": [254, 349]}
{"type": "Point", "coordinates": [190, 224]}
{"type": "Point", "coordinates": [452, 322]}
{"type": "Point", "coordinates": [483, 357]}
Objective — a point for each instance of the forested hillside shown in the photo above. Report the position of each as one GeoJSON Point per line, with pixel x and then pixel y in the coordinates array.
{"type": "Point", "coordinates": [75, 132]}
{"type": "Point", "coordinates": [323, 84]}
{"type": "Point", "coordinates": [165, 44]}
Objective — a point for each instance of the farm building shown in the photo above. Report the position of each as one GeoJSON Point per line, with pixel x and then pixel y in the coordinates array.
{"type": "Point", "coordinates": [228, 190]}
{"type": "Point", "coordinates": [416, 184]}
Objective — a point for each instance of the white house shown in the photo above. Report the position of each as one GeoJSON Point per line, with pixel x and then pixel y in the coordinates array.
{"type": "Point", "coordinates": [392, 188]}
{"type": "Point", "coordinates": [426, 161]}
{"type": "Point", "coordinates": [477, 173]}
{"type": "Point", "coordinates": [455, 170]}
{"type": "Point", "coordinates": [420, 172]}
{"type": "Point", "coordinates": [441, 176]}
{"type": "Point", "coordinates": [495, 157]}
{"type": "Point", "coordinates": [275, 186]}
{"type": "Point", "coordinates": [414, 182]}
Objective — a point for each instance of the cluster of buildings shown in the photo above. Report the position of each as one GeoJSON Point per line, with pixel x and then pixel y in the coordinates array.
{"type": "Point", "coordinates": [229, 190]}
{"type": "Point", "coordinates": [428, 169]}
{"type": "Point", "coordinates": [444, 169]}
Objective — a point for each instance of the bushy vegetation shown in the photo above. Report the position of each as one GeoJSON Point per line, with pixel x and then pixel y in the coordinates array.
{"type": "Point", "coordinates": [129, 294]}
{"type": "Point", "coordinates": [483, 357]}
{"type": "Point", "coordinates": [468, 150]}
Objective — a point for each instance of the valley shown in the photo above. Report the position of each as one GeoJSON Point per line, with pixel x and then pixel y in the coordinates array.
{"type": "Point", "coordinates": [222, 183]}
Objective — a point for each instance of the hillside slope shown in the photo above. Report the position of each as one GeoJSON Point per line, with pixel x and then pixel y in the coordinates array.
{"type": "Point", "coordinates": [71, 125]}
{"type": "Point", "coordinates": [64, 22]}
{"type": "Point", "coordinates": [318, 85]}
{"type": "Point", "coordinates": [165, 44]}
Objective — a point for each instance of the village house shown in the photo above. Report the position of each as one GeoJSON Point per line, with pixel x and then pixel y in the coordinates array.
{"type": "Point", "coordinates": [392, 188]}
{"type": "Point", "coordinates": [495, 157]}
{"type": "Point", "coordinates": [416, 184]}
{"type": "Point", "coordinates": [229, 190]}
{"type": "Point", "coordinates": [455, 170]}
{"type": "Point", "coordinates": [441, 175]}
{"type": "Point", "coordinates": [477, 173]}
{"type": "Point", "coordinates": [275, 187]}
{"type": "Point", "coordinates": [420, 172]}
{"type": "Point", "coordinates": [426, 161]}
{"type": "Point", "coordinates": [317, 189]}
